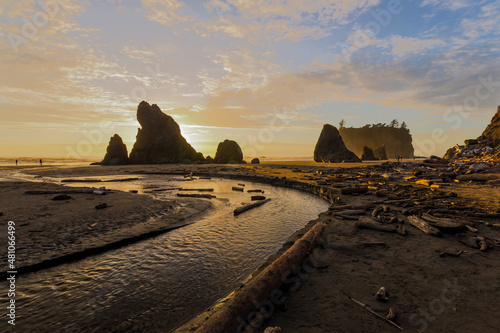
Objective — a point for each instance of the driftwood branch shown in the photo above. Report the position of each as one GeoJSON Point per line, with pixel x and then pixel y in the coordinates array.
{"type": "Point", "coordinates": [376, 314]}
{"type": "Point", "coordinates": [424, 226]}
{"type": "Point", "coordinates": [240, 210]}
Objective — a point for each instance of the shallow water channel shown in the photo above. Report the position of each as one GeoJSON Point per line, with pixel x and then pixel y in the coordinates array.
{"type": "Point", "coordinates": [157, 284]}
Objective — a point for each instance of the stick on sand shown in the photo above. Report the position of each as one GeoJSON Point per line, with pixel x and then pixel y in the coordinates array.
{"type": "Point", "coordinates": [376, 314]}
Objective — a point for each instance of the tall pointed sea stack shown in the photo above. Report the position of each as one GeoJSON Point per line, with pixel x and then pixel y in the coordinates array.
{"type": "Point", "coordinates": [116, 153]}
{"type": "Point", "coordinates": [160, 139]}
{"type": "Point", "coordinates": [331, 148]}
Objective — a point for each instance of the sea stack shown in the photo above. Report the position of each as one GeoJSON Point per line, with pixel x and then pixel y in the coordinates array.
{"type": "Point", "coordinates": [380, 153]}
{"type": "Point", "coordinates": [368, 154]}
{"type": "Point", "coordinates": [116, 153]}
{"type": "Point", "coordinates": [228, 151]}
{"type": "Point", "coordinates": [159, 140]}
{"type": "Point", "coordinates": [330, 147]}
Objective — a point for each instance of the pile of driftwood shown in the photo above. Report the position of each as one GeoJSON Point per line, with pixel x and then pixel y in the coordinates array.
{"type": "Point", "coordinates": [435, 170]}
{"type": "Point", "coordinates": [433, 212]}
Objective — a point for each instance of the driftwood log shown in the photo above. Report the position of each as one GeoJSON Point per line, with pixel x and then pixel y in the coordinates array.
{"type": "Point", "coordinates": [367, 223]}
{"type": "Point", "coordinates": [257, 197]}
{"type": "Point", "coordinates": [197, 189]}
{"type": "Point", "coordinates": [259, 288]}
{"type": "Point", "coordinates": [87, 190]}
{"type": "Point", "coordinates": [236, 188]}
{"type": "Point", "coordinates": [479, 177]}
{"type": "Point", "coordinates": [443, 224]}
{"type": "Point", "coordinates": [196, 195]}
{"type": "Point", "coordinates": [354, 190]}
{"type": "Point", "coordinates": [424, 226]}
{"type": "Point", "coordinates": [240, 210]}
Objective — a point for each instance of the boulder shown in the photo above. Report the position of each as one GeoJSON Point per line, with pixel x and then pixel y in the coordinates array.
{"type": "Point", "coordinates": [368, 154]}
{"type": "Point", "coordinates": [228, 151]}
{"type": "Point", "coordinates": [330, 147]}
{"type": "Point", "coordinates": [116, 153]}
{"type": "Point", "coordinates": [471, 142]}
{"type": "Point", "coordinates": [255, 161]}
{"type": "Point", "coordinates": [380, 153]}
{"type": "Point", "coordinates": [159, 140]}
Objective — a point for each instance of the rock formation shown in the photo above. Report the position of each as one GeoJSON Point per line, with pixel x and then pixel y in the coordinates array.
{"type": "Point", "coordinates": [491, 135]}
{"type": "Point", "coordinates": [255, 161]}
{"type": "Point", "coordinates": [368, 154]}
{"type": "Point", "coordinates": [116, 153]}
{"type": "Point", "coordinates": [380, 153]}
{"type": "Point", "coordinates": [159, 140]}
{"type": "Point", "coordinates": [228, 152]}
{"type": "Point", "coordinates": [330, 147]}
{"type": "Point", "coordinates": [487, 145]}
{"type": "Point", "coordinates": [397, 141]}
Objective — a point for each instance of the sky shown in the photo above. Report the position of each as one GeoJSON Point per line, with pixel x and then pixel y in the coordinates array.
{"type": "Point", "coordinates": [267, 74]}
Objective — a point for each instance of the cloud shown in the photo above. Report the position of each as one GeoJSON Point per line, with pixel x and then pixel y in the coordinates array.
{"type": "Point", "coordinates": [289, 20]}
{"type": "Point", "coordinates": [166, 12]}
{"type": "Point", "coordinates": [448, 4]}
{"type": "Point", "coordinates": [404, 45]}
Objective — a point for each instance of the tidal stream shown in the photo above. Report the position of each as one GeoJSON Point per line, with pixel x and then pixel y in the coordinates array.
{"type": "Point", "coordinates": [160, 283]}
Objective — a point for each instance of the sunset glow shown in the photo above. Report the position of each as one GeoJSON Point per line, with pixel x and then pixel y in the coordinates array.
{"type": "Point", "coordinates": [267, 74]}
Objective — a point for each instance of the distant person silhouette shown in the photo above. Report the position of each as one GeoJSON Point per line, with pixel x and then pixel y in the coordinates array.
{"type": "Point", "coordinates": [16, 162]}
{"type": "Point", "coordinates": [40, 161]}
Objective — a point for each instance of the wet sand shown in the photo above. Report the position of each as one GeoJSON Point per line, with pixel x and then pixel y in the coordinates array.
{"type": "Point", "coordinates": [427, 291]}
{"type": "Point", "coordinates": [48, 229]}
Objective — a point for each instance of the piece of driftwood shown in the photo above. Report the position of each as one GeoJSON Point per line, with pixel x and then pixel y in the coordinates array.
{"type": "Point", "coordinates": [354, 190]}
{"type": "Point", "coordinates": [367, 223]}
{"type": "Point", "coordinates": [346, 217]}
{"type": "Point", "coordinates": [81, 180]}
{"type": "Point", "coordinates": [120, 180]}
{"type": "Point", "coordinates": [468, 240]}
{"type": "Point", "coordinates": [444, 224]}
{"type": "Point", "coordinates": [423, 225]}
{"type": "Point", "coordinates": [481, 177]}
{"type": "Point", "coordinates": [197, 189]}
{"type": "Point", "coordinates": [87, 190]}
{"type": "Point", "coordinates": [451, 254]}
{"type": "Point", "coordinates": [196, 195]}
{"type": "Point", "coordinates": [257, 197]}
{"type": "Point", "coordinates": [255, 191]}
{"type": "Point", "coordinates": [352, 212]}
{"type": "Point", "coordinates": [483, 244]}
{"type": "Point", "coordinates": [240, 210]}
{"type": "Point", "coordinates": [426, 182]}
{"type": "Point", "coordinates": [376, 314]}
{"type": "Point", "coordinates": [236, 188]}
{"type": "Point", "coordinates": [258, 289]}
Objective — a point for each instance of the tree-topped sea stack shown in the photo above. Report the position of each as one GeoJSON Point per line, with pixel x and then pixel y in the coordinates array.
{"type": "Point", "coordinates": [396, 138]}
{"type": "Point", "coordinates": [228, 152]}
{"type": "Point", "coordinates": [116, 153]}
{"type": "Point", "coordinates": [160, 139]}
{"type": "Point", "coordinates": [330, 147]}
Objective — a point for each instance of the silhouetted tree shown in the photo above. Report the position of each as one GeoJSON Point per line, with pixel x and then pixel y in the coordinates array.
{"type": "Point", "coordinates": [394, 123]}
{"type": "Point", "coordinates": [342, 123]}
{"type": "Point", "coordinates": [403, 125]}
